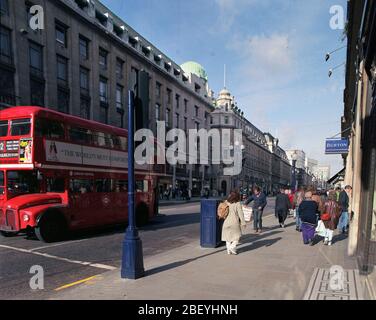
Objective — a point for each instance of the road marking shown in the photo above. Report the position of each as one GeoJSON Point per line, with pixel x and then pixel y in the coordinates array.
{"type": "Point", "coordinates": [57, 245]}
{"type": "Point", "coordinates": [75, 283]}
{"type": "Point", "coordinates": [46, 255]}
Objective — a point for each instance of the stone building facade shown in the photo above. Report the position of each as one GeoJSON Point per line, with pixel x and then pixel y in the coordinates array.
{"type": "Point", "coordinates": [84, 62]}
{"type": "Point", "coordinates": [264, 163]}
{"type": "Point", "coordinates": [86, 59]}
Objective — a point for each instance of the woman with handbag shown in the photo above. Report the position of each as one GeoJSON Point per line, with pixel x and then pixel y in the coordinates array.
{"type": "Point", "coordinates": [330, 217]}
{"type": "Point", "coordinates": [234, 223]}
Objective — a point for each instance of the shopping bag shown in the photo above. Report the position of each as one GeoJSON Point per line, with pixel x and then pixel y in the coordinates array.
{"type": "Point", "coordinates": [320, 229]}
{"type": "Point", "coordinates": [247, 213]}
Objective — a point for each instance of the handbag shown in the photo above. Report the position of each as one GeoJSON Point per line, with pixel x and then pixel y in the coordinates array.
{"type": "Point", "coordinates": [320, 229]}
{"type": "Point", "coordinates": [325, 216]}
{"type": "Point", "coordinates": [247, 211]}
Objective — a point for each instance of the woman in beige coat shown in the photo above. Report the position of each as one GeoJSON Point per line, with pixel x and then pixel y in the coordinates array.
{"type": "Point", "coordinates": [232, 227]}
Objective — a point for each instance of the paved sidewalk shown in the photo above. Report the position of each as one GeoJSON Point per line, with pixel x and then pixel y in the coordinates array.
{"type": "Point", "coordinates": [273, 265]}
{"type": "Point", "coordinates": [172, 202]}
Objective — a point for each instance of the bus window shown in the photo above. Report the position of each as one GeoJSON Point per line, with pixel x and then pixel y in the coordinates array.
{"type": "Point", "coordinates": [140, 186]}
{"type": "Point", "coordinates": [49, 128]}
{"type": "Point", "coordinates": [3, 128]}
{"type": "Point", "coordinates": [2, 190]}
{"type": "Point", "coordinates": [81, 186]}
{"type": "Point", "coordinates": [55, 185]}
{"type": "Point", "coordinates": [102, 139]}
{"type": "Point", "coordinates": [103, 185]}
{"type": "Point", "coordinates": [123, 143]}
{"type": "Point", "coordinates": [22, 182]}
{"type": "Point", "coordinates": [116, 141]}
{"type": "Point", "coordinates": [20, 127]}
{"type": "Point", "coordinates": [121, 185]}
{"type": "Point", "coordinates": [79, 135]}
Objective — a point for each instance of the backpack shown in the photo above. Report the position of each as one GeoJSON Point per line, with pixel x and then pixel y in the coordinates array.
{"type": "Point", "coordinates": [223, 210]}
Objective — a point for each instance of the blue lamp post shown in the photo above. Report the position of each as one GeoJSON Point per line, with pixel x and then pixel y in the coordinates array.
{"type": "Point", "coordinates": [132, 258]}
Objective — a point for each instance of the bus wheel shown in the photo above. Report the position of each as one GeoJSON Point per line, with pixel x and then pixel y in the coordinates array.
{"type": "Point", "coordinates": [142, 214]}
{"type": "Point", "coordinates": [51, 228]}
{"type": "Point", "coordinates": [8, 234]}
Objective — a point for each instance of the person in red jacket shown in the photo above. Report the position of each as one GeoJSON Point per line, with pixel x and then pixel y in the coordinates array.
{"type": "Point", "coordinates": [290, 194]}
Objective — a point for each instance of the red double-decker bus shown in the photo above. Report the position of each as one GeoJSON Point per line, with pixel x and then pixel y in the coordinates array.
{"type": "Point", "coordinates": [60, 173]}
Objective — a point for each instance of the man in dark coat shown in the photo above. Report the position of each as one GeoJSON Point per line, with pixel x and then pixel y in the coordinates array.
{"type": "Point", "coordinates": [259, 203]}
{"type": "Point", "coordinates": [282, 207]}
{"type": "Point", "coordinates": [344, 199]}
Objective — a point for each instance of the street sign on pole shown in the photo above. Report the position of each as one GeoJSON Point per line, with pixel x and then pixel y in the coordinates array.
{"type": "Point", "coordinates": [132, 258]}
{"type": "Point", "coordinates": [336, 146]}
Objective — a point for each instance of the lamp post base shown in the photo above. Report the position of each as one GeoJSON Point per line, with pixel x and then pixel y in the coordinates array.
{"type": "Point", "coordinates": [132, 259]}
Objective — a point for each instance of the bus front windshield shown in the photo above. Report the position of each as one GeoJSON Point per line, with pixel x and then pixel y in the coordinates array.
{"type": "Point", "coordinates": [22, 182]}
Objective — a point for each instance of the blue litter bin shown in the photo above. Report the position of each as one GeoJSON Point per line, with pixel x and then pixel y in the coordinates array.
{"type": "Point", "coordinates": [211, 226]}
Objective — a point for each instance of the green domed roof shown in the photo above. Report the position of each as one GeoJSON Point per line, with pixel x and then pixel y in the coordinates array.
{"type": "Point", "coordinates": [195, 68]}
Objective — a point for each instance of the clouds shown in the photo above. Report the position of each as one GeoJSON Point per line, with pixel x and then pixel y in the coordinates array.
{"type": "Point", "coordinates": [266, 55]}
{"type": "Point", "coordinates": [230, 10]}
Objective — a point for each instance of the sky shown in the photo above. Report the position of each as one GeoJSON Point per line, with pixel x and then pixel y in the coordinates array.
{"type": "Point", "coordinates": [274, 52]}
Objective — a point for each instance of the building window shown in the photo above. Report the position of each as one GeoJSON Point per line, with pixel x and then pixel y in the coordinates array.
{"type": "Point", "coordinates": [177, 120]}
{"type": "Point", "coordinates": [85, 107]}
{"type": "Point", "coordinates": [61, 34]}
{"type": "Point", "coordinates": [169, 92]}
{"type": "Point", "coordinates": [206, 117]}
{"type": "Point", "coordinates": [157, 111]}
{"type": "Point", "coordinates": [5, 46]}
{"type": "Point", "coordinates": [62, 100]}
{"type": "Point", "coordinates": [134, 79]}
{"type": "Point", "coordinates": [197, 125]}
{"type": "Point", "coordinates": [103, 90]}
{"type": "Point", "coordinates": [226, 120]}
{"type": "Point", "coordinates": [7, 88]}
{"type": "Point", "coordinates": [103, 114]}
{"type": "Point", "coordinates": [84, 81]}
{"type": "Point", "coordinates": [158, 88]}
{"type": "Point", "coordinates": [119, 68]}
{"type": "Point", "coordinates": [62, 70]}
{"type": "Point", "coordinates": [4, 8]}
{"type": "Point", "coordinates": [196, 111]}
{"type": "Point", "coordinates": [168, 118]}
{"type": "Point", "coordinates": [185, 123]}
{"type": "Point", "coordinates": [36, 59]}
{"type": "Point", "coordinates": [177, 98]}
{"type": "Point", "coordinates": [84, 48]}
{"type": "Point", "coordinates": [103, 54]}
{"type": "Point", "coordinates": [36, 92]}
{"type": "Point", "coordinates": [185, 105]}
{"type": "Point", "coordinates": [119, 97]}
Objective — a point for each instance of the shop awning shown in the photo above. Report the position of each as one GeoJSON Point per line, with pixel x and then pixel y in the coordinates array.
{"type": "Point", "coordinates": [339, 176]}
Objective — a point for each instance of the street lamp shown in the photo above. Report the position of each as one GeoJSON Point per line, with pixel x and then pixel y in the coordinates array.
{"type": "Point", "coordinates": [329, 54]}
{"type": "Point", "coordinates": [294, 158]}
{"type": "Point", "coordinates": [132, 258]}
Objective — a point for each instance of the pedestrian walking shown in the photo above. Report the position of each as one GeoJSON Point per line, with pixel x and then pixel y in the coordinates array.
{"type": "Point", "coordinates": [233, 224]}
{"type": "Point", "coordinates": [298, 199]}
{"type": "Point", "coordinates": [317, 198]}
{"type": "Point", "coordinates": [290, 195]}
{"type": "Point", "coordinates": [282, 207]}
{"type": "Point", "coordinates": [259, 203]}
{"type": "Point", "coordinates": [343, 201]}
{"type": "Point", "coordinates": [330, 217]}
{"type": "Point", "coordinates": [308, 211]}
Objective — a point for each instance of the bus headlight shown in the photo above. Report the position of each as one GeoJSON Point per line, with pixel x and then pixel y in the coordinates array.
{"type": "Point", "coordinates": [26, 218]}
